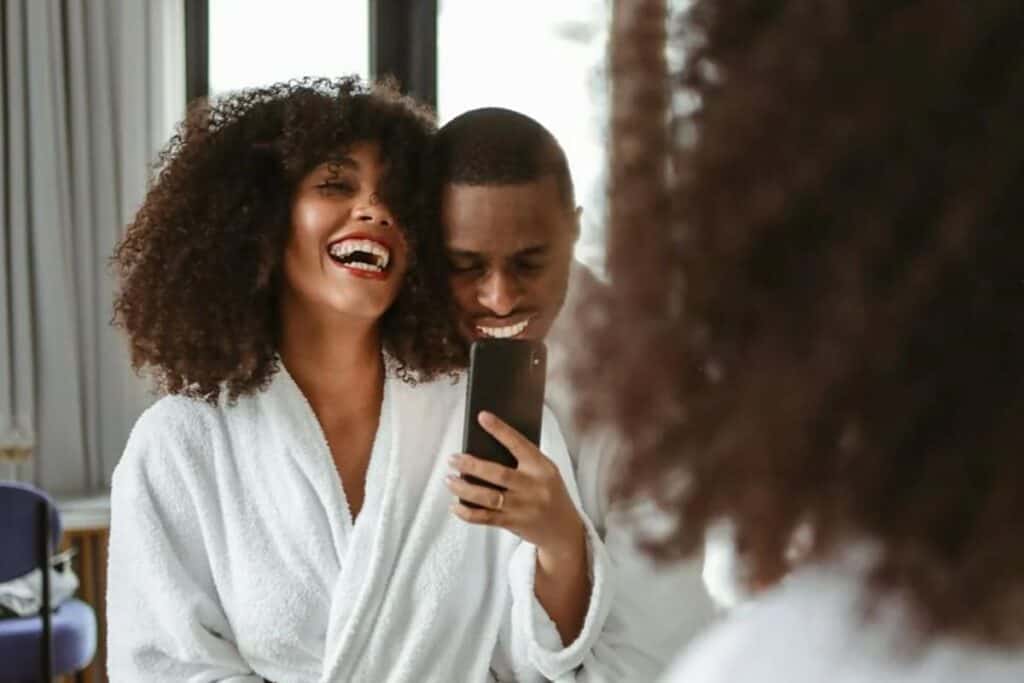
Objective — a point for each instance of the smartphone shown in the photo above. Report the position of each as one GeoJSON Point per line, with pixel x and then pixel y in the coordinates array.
{"type": "Point", "coordinates": [506, 377]}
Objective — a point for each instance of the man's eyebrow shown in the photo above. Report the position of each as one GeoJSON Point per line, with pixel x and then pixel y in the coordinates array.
{"type": "Point", "coordinates": [531, 251]}
{"type": "Point", "coordinates": [535, 250]}
{"type": "Point", "coordinates": [463, 253]}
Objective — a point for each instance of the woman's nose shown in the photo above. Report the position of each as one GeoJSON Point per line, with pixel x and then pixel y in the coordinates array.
{"type": "Point", "coordinates": [373, 210]}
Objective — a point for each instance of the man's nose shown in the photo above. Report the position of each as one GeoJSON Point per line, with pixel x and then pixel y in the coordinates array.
{"type": "Point", "coordinates": [499, 293]}
{"type": "Point", "coordinates": [372, 210]}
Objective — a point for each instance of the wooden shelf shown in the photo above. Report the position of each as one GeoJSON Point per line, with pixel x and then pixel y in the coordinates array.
{"type": "Point", "coordinates": [87, 528]}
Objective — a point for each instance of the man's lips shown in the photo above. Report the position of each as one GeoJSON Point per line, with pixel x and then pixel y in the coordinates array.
{"type": "Point", "coordinates": [501, 329]}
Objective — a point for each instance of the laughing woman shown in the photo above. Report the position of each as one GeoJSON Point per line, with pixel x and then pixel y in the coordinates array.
{"type": "Point", "coordinates": [283, 514]}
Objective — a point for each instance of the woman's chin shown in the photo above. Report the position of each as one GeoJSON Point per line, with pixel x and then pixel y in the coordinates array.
{"type": "Point", "coordinates": [369, 312]}
{"type": "Point", "coordinates": [341, 297]}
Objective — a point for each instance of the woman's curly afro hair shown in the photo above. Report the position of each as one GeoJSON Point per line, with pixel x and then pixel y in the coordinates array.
{"type": "Point", "coordinates": [818, 313]}
{"type": "Point", "coordinates": [200, 266]}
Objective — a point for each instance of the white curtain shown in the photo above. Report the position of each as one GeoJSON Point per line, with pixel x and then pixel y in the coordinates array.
{"type": "Point", "coordinates": [91, 90]}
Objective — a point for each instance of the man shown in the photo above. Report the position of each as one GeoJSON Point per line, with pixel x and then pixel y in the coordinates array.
{"type": "Point", "coordinates": [511, 222]}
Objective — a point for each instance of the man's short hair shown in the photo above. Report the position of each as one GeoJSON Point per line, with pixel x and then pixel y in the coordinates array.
{"type": "Point", "coordinates": [495, 146]}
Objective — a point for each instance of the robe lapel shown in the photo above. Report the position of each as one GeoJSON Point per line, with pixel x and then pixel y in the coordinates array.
{"type": "Point", "coordinates": [370, 552]}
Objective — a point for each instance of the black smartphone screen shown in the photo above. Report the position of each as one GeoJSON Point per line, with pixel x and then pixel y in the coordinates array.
{"type": "Point", "coordinates": [506, 377]}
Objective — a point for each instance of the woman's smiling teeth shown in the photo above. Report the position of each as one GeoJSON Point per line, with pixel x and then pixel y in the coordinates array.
{"type": "Point", "coordinates": [361, 255]}
{"type": "Point", "coordinates": [503, 332]}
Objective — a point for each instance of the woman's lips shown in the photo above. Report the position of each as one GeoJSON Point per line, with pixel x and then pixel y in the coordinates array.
{"type": "Point", "coordinates": [365, 274]}
{"type": "Point", "coordinates": [375, 256]}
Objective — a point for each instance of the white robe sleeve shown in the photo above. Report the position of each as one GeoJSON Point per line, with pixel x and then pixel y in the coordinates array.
{"type": "Point", "coordinates": [530, 647]}
{"type": "Point", "coordinates": [165, 621]}
{"type": "Point", "coordinates": [657, 609]}
{"type": "Point", "coordinates": [725, 574]}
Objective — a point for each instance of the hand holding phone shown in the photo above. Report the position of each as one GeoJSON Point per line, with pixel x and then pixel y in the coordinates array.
{"type": "Point", "coordinates": [506, 378]}
{"type": "Point", "coordinates": [530, 498]}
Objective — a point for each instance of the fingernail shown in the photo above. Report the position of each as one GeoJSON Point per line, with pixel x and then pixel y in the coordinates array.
{"type": "Point", "coordinates": [453, 460]}
{"type": "Point", "coordinates": [484, 417]}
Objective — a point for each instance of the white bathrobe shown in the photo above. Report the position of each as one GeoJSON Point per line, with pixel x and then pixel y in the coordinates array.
{"type": "Point", "coordinates": [812, 628]}
{"type": "Point", "coordinates": [657, 609]}
{"type": "Point", "coordinates": [234, 557]}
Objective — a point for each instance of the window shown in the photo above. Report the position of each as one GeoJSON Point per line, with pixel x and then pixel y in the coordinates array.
{"type": "Point", "coordinates": [258, 42]}
{"type": "Point", "coordinates": [545, 59]}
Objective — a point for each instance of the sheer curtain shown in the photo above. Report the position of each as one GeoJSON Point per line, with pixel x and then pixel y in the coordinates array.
{"type": "Point", "coordinates": [90, 92]}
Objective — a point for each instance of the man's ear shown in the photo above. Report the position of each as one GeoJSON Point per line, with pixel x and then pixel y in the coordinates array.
{"type": "Point", "coordinates": [577, 215]}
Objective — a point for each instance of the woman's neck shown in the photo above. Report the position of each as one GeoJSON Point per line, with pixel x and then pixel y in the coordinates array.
{"type": "Point", "coordinates": [335, 360]}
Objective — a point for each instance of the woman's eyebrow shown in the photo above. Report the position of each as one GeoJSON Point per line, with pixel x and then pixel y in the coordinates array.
{"type": "Point", "coordinates": [340, 163]}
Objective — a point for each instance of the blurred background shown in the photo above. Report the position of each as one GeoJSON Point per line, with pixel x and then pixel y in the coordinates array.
{"type": "Point", "coordinates": [92, 91]}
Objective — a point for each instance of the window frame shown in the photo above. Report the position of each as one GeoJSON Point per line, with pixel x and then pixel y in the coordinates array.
{"type": "Point", "coordinates": [403, 45]}
{"type": "Point", "coordinates": [197, 50]}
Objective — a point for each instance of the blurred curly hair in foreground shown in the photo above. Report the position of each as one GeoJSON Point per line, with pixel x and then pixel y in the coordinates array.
{"type": "Point", "coordinates": [817, 309]}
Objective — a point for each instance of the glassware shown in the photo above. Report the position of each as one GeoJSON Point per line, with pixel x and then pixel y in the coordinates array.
{"type": "Point", "coordinates": [17, 440]}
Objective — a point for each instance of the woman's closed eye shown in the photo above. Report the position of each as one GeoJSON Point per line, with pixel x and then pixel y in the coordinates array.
{"type": "Point", "coordinates": [339, 186]}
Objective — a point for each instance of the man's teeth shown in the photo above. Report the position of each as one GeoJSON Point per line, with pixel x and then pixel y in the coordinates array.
{"type": "Point", "coordinates": [503, 332]}
{"type": "Point", "coordinates": [376, 249]}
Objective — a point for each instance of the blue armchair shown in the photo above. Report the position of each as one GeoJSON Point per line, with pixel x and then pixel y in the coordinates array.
{"type": "Point", "coordinates": [54, 643]}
